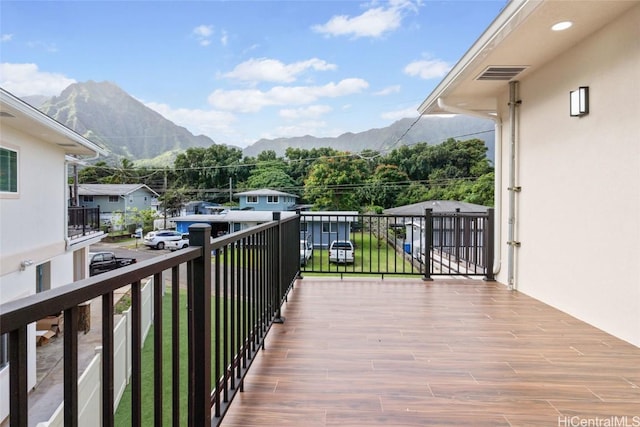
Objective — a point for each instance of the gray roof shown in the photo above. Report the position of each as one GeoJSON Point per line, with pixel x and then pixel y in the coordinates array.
{"type": "Point", "coordinates": [233, 216]}
{"type": "Point", "coordinates": [264, 192]}
{"type": "Point", "coordinates": [436, 206]}
{"type": "Point", "coordinates": [111, 189]}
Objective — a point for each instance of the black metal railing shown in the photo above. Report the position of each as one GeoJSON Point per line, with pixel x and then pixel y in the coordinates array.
{"type": "Point", "coordinates": [82, 221]}
{"type": "Point", "coordinates": [431, 244]}
{"type": "Point", "coordinates": [250, 280]}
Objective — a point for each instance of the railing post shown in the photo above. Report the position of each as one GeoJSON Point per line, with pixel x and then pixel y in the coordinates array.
{"type": "Point", "coordinates": [278, 285]}
{"type": "Point", "coordinates": [426, 245]}
{"type": "Point", "coordinates": [489, 242]}
{"type": "Point", "coordinates": [200, 347]}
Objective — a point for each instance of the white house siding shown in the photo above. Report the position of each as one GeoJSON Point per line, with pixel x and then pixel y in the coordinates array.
{"type": "Point", "coordinates": [33, 227]}
{"type": "Point", "coordinates": [36, 219]}
{"type": "Point", "coordinates": [579, 210]}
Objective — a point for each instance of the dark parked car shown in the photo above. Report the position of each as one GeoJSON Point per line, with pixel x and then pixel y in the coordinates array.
{"type": "Point", "coordinates": [100, 262]}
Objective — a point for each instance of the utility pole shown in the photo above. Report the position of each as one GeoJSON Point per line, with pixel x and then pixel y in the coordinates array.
{"type": "Point", "coordinates": [230, 190]}
{"type": "Point", "coordinates": [164, 204]}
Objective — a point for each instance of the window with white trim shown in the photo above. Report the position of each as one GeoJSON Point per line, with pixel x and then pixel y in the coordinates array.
{"type": "Point", "coordinates": [114, 199]}
{"type": "Point", "coordinates": [252, 199]}
{"type": "Point", "coordinates": [329, 227]}
{"type": "Point", "coordinates": [8, 170]}
{"type": "Point", "coordinates": [273, 199]}
{"type": "Point", "coordinates": [88, 199]}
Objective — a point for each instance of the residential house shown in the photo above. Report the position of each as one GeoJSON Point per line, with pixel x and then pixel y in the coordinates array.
{"type": "Point", "coordinates": [322, 227]}
{"type": "Point", "coordinates": [37, 251]}
{"type": "Point", "coordinates": [227, 221]}
{"type": "Point", "coordinates": [411, 218]}
{"type": "Point", "coordinates": [117, 198]}
{"type": "Point", "coordinates": [560, 81]}
{"type": "Point", "coordinates": [267, 200]}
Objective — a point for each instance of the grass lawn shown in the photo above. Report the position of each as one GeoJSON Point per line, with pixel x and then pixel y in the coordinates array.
{"type": "Point", "coordinates": [123, 412]}
{"type": "Point", "coordinates": [372, 256]}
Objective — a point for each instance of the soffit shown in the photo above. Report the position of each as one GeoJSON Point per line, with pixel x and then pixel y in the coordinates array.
{"type": "Point", "coordinates": [520, 37]}
{"type": "Point", "coordinates": [16, 114]}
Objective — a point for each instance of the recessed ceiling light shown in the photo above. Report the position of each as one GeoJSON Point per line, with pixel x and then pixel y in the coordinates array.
{"type": "Point", "coordinates": [561, 26]}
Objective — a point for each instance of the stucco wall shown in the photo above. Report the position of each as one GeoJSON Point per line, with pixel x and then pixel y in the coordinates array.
{"type": "Point", "coordinates": [36, 219]}
{"type": "Point", "coordinates": [578, 215]}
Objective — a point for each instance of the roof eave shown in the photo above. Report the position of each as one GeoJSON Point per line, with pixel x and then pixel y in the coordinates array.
{"type": "Point", "coordinates": [513, 13]}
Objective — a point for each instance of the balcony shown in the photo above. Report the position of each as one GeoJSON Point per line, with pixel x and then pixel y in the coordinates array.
{"type": "Point", "coordinates": [339, 349]}
{"type": "Point", "coordinates": [82, 222]}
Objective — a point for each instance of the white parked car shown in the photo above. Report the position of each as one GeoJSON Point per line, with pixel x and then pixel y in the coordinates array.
{"type": "Point", "coordinates": [158, 239]}
{"type": "Point", "coordinates": [306, 251]}
{"type": "Point", "coordinates": [174, 245]}
{"type": "Point", "coordinates": [341, 251]}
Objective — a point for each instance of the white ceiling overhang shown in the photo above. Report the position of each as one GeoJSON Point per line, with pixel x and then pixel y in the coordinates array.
{"type": "Point", "coordinates": [518, 42]}
{"type": "Point", "coordinates": [17, 114]}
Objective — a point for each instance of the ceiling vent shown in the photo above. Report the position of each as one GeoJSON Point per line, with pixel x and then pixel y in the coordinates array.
{"type": "Point", "coordinates": [500, 73]}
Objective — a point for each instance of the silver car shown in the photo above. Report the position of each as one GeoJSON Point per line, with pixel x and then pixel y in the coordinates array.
{"type": "Point", "coordinates": [157, 239]}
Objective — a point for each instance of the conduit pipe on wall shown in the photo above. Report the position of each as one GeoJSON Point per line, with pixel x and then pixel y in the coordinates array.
{"type": "Point", "coordinates": [497, 164]}
{"type": "Point", "coordinates": [514, 103]}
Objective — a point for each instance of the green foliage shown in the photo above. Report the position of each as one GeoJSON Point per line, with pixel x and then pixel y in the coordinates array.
{"type": "Point", "coordinates": [324, 177]}
{"type": "Point", "coordinates": [208, 168]}
{"type": "Point", "coordinates": [332, 182]}
{"type": "Point", "coordinates": [142, 217]}
{"type": "Point", "coordinates": [173, 199]}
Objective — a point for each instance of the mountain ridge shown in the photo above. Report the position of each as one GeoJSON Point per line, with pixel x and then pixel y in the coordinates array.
{"type": "Point", "coordinates": [107, 115]}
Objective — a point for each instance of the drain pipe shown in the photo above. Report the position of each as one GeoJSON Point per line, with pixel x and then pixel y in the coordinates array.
{"type": "Point", "coordinates": [497, 165]}
{"type": "Point", "coordinates": [512, 243]}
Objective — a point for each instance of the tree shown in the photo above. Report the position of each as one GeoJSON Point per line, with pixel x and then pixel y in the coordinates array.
{"type": "Point", "coordinates": [383, 187]}
{"type": "Point", "coordinates": [208, 168]}
{"type": "Point", "coordinates": [173, 200]}
{"type": "Point", "coordinates": [333, 181]}
{"type": "Point", "coordinates": [300, 161]}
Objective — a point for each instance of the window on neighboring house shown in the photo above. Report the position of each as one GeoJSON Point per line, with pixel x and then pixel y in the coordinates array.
{"type": "Point", "coordinates": [329, 227]}
{"type": "Point", "coordinates": [272, 199]}
{"type": "Point", "coordinates": [303, 227]}
{"type": "Point", "coordinates": [114, 199]}
{"type": "Point", "coordinates": [252, 199]}
{"type": "Point", "coordinates": [88, 199]}
{"type": "Point", "coordinates": [4, 350]}
{"type": "Point", "coordinates": [8, 170]}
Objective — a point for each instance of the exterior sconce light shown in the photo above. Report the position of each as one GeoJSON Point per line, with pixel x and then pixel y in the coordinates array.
{"type": "Point", "coordinates": [579, 102]}
{"type": "Point", "coordinates": [26, 263]}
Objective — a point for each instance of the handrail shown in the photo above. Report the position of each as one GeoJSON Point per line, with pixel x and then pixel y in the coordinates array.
{"type": "Point", "coordinates": [250, 283]}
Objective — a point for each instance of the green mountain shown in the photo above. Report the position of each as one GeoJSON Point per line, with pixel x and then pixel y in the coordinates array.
{"type": "Point", "coordinates": [108, 116]}
{"type": "Point", "coordinates": [430, 129]}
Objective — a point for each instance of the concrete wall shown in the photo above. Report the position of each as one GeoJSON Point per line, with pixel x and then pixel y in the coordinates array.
{"type": "Point", "coordinates": [578, 217]}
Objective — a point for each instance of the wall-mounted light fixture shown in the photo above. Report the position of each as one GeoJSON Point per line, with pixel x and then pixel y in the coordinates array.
{"type": "Point", "coordinates": [26, 263]}
{"type": "Point", "coordinates": [579, 102]}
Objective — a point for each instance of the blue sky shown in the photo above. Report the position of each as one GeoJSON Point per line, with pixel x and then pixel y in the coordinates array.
{"type": "Point", "coordinates": [238, 71]}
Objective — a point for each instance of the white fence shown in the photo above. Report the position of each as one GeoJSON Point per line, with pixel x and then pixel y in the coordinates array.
{"type": "Point", "coordinates": [90, 384]}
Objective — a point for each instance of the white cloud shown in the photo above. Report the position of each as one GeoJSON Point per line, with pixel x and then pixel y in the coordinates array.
{"type": "Point", "coordinates": [272, 70]}
{"type": "Point", "coordinates": [427, 68]}
{"type": "Point", "coordinates": [374, 22]}
{"type": "Point", "coordinates": [203, 34]}
{"type": "Point", "coordinates": [312, 111]}
{"type": "Point", "coordinates": [224, 38]}
{"type": "Point", "coordinates": [6, 37]}
{"type": "Point", "coordinates": [253, 100]}
{"type": "Point", "coordinates": [400, 114]}
{"type": "Point", "coordinates": [315, 128]}
{"type": "Point", "coordinates": [388, 90]}
{"type": "Point", "coordinates": [27, 79]}
{"type": "Point", "coordinates": [214, 124]}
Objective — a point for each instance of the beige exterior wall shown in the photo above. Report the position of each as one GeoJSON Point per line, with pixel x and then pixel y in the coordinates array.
{"type": "Point", "coordinates": [32, 227]}
{"type": "Point", "coordinates": [578, 215]}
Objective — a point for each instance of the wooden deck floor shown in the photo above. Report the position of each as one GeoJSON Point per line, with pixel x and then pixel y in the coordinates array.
{"type": "Point", "coordinates": [458, 352]}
